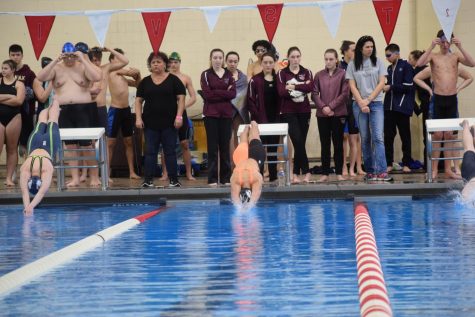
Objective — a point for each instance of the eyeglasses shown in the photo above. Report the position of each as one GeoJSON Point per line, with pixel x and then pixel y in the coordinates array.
{"type": "Point", "coordinates": [260, 50]}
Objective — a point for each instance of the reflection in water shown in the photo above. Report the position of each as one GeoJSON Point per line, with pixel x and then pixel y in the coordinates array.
{"type": "Point", "coordinates": [249, 254]}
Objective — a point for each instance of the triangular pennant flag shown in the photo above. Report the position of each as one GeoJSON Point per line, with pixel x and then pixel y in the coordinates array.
{"type": "Point", "coordinates": [270, 15]}
{"type": "Point", "coordinates": [156, 24]}
{"type": "Point", "coordinates": [212, 15]}
{"type": "Point", "coordinates": [100, 24]}
{"type": "Point", "coordinates": [331, 12]}
{"type": "Point", "coordinates": [387, 12]}
{"type": "Point", "coordinates": [39, 28]}
{"type": "Point", "coordinates": [446, 11]}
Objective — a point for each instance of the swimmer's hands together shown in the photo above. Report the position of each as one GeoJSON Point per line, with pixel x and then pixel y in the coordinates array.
{"type": "Point", "coordinates": [28, 211]}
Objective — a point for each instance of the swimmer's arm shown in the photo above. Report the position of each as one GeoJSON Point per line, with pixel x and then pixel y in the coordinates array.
{"type": "Point", "coordinates": [45, 184]}
{"type": "Point", "coordinates": [250, 70]}
{"type": "Point", "coordinates": [41, 94]}
{"type": "Point", "coordinates": [91, 71]}
{"type": "Point", "coordinates": [467, 79]}
{"type": "Point", "coordinates": [235, 188]}
{"type": "Point", "coordinates": [256, 189]}
{"type": "Point", "coordinates": [20, 95]}
{"type": "Point", "coordinates": [48, 73]}
{"type": "Point", "coordinates": [466, 59]}
{"type": "Point", "coordinates": [121, 60]}
{"type": "Point", "coordinates": [24, 176]}
{"type": "Point", "coordinates": [192, 93]}
{"type": "Point", "coordinates": [420, 77]}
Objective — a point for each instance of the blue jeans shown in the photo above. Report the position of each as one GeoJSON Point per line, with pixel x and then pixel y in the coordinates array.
{"type": "Point", "coordinates": [371, 127]}
{"type": "Point", "coordinates": [153, 138]}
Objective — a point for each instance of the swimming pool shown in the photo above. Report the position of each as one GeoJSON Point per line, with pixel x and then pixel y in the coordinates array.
{"type": "Point", "coordinates": [280, 259]}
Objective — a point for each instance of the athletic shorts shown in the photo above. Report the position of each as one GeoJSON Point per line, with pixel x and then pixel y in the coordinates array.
{"type": "Point", "coordinates": [79, 116]}
{"type": "Point", "coordinates": [445, 107]}
{"type": "Point", "coordinates": [7, 113]}
{"type": "Point", "coordinates": [258, 153]}
{"type": "Point", "coordinates": [351, 126]}
{"type": "Point", "coordinates": [46, 137]}
{"type": "Point", "coordinates": [184, 131]}
{"type": "Point", "coordinates": [102, 117]}
{"type": "Point", "coordinates": [119, 118]}
{"type": "Point", "coordinates": [468, 165]}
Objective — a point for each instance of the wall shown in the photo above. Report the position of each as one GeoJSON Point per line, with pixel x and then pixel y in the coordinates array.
{"type": "Point", "coordinates": [188, 34]}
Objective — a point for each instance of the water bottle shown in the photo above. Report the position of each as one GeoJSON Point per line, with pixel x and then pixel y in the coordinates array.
{"type": "Point", "coordinates": [281, 178]}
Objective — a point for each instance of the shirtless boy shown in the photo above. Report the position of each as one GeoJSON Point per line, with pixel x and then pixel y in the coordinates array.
{"type": "Point", "coordinates": [444, 68]}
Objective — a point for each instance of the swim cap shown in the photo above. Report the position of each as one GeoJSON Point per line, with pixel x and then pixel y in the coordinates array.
{"type": "Point", "coordinates": [245, 195]}
{"type": "Point", "coordinates": [34, 184]}
{"type": "Point", "coordinates": [68, 47]}
{"type": "Point", "coordinates": [82, 47]}
{"type": "Point", "coordinates": [175, 56]}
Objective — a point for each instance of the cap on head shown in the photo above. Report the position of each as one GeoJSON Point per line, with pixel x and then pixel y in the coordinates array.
{"type": "Point", "coordinates": [82, 47]}
{"type": "Point", "coordinates": [175, 56]}
{"type": "Point", "coordinates": [245, 195]}
{"type": "Point", "coordinates": [68, 48]}
{"type": "Point", "coordinates": [34, 184]}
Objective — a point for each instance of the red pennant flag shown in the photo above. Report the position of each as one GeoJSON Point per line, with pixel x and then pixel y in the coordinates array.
{"type": "Point", "coordinates": [39, 28]}
{"type": "Point", "coordinates": [270, 15]}
{"type": "Point", "coordinates": [387, 12]}
{"type": "Point", "coordinates": [156, 24]}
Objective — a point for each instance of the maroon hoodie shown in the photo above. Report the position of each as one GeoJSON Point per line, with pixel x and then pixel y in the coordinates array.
{"type": "Point", "coordinates": [256, 101]}
{"type": "Point", "coordinates": [217, 97]}
{"type": "Point", "coordinates": [287, 105]}
{"type": "Point", "coordinates": [332, 91]}
{"type": "Point", "coordinates": [27, 76]}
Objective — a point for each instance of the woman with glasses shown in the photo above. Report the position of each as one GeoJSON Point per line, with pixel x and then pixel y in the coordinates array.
{"type": "Point", "coordinates": [259, 48]}
{"type": "Point", "coordinates": [367, 75]}
{"type": "Point", "coordinates": [294, 82]}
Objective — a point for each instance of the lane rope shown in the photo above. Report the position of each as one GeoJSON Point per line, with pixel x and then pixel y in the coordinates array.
{"type": "Point", "coordinates": [14, 280]}
{"type": "Point", "coordinates": [374, 299]}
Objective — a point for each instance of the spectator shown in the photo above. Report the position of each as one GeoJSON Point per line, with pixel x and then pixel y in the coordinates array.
{"type": "Point", "coordinates": [164, 97]}
{"type": "Point", "coordinates": [219, 89]}
{"type": "Point", "coordinates": [12, 96]}
{"type": "Point", "coordinates": [398, 106]}
{"type": "Point", "coordinates": [294, 83]}
{"type": "Point", "coordinates": [259, 48]}
{"type": "Point", "coordinates": [330, 94]}
{"type": "Point", "coordinates": [367, 75]}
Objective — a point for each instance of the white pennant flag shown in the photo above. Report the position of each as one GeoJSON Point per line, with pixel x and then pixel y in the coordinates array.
{"type": "Point", "coordinates": [100, 24]}
{"type": "Point", "coordinates": [331, 11]}
{"type": "Point", "coordinates": [446, 11]}
{"type": "Point", "coordinates": [212, 15]}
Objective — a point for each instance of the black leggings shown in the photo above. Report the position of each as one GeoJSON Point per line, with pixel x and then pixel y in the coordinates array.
{"type": "Point", "coordinates": [218, 137]}
{"type": "Point", "coordinates": [331, 129]}
{"type": "Point", "coordinates": [298, 130]}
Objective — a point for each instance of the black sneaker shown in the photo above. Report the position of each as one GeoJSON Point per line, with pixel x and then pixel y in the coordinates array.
{"type": "Point", "coordinates": [369, 177]}
{"type": "Point", "coordinates": [384, 177]}
{"type": "Point", "coordinates": [174, 183]}
{"type": "Point", "coordinates": [148, 184]}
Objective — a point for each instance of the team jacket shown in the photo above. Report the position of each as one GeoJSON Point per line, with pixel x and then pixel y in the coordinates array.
{"type": "Point", "coordinates": [217, 95]}
{"type": "Point", "coordinates": [287, 104]}
{"type": "Point", "coordinates": [401, 95]}
{"type": "Point", "coordinates": [255, 99]}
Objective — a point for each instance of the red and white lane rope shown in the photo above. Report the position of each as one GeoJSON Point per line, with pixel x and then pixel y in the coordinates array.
{"type": "Point", "coordinates": [15, 279]}
{"type": "Point", "coordinates": [374, 299]}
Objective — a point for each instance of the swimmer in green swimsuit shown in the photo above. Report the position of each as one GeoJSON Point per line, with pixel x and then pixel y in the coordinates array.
{"type": "Point", "coordinates": [36, 172]}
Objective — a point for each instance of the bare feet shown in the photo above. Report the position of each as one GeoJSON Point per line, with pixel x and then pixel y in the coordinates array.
{"type": "Point", "coordinates": [296, 179]}
{"type": "Point", "coordinates": [73, 183]}
{"type": "Point", "coordinates": [406, 169]}
{"type": "Point", "coordinates": [361, 172]}
{"type": "Point", "coordinates": [452, 175]}
{"type": "Point", "coordinates": [323, 178]}
{"type": "Point", "coordinates": [345, 170]}
{"type": "Point", "coordinates": [435, 174]}
{"type": "Point", "coordinates": [95, 182]}
{"type": "Point", "coordinates": [190, 178]}
{"type": "Point", "coordinates": [164, 177]}
{"type": "Point", "coordinates": [110, 180]}
{"type": "Point", "coordinates": [340, 178]}
{"type": "Point", "coordinates": [352, 174]}
{"type": "Point", "coordinates": [307, 178]}
{"type": "Point", "coordinates": [389, 169]}
{"type": "Point", "coordinates": [83, 177]}
{"type": "Point", "coordinates": [134, 176]}
{"type": "Point", "coordinates": [9, 183]}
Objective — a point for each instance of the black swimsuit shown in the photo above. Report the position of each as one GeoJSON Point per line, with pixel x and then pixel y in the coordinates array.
{"type": "Point", "coordinates": [7, 113]}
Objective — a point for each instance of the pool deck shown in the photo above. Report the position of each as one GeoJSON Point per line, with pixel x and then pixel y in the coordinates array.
{"type": "Point", "coordinates": [125, 190]}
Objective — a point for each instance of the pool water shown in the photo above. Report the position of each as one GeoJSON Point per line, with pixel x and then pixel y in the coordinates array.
{"type": "Point", "coordinates": [280, 259]}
